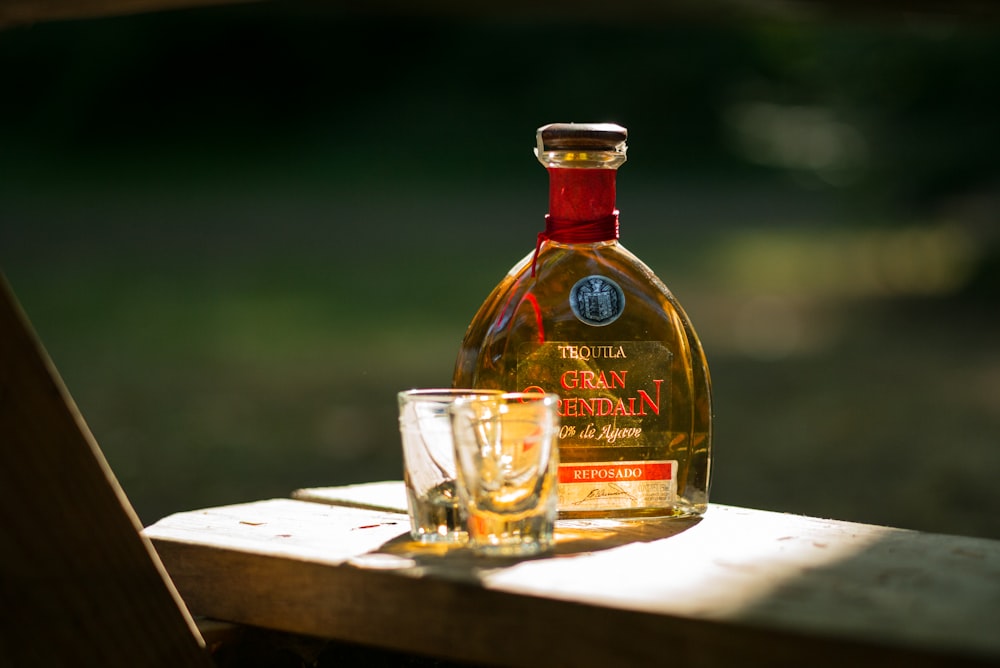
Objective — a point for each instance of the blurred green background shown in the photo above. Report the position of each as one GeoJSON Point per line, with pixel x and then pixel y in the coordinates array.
{"type": "Point", "coordinates": [240, 231]}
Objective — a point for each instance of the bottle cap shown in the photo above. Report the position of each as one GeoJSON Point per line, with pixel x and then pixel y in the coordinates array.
{"type": "Point", "coordinates": [581, 137]}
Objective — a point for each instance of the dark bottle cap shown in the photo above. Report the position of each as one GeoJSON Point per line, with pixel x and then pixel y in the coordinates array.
{"type": "Point", "coordinates": [582, 137]}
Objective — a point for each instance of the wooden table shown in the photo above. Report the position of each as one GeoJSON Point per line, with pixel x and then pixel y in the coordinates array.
{"type": "Point", "coordinates": [738, 587]}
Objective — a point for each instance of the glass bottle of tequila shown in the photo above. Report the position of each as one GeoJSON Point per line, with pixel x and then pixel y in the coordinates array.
{"type": "Point", "coordinates": [582, 317]}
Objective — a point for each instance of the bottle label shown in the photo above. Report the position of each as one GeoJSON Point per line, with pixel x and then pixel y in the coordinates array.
{"type": "Point", "coordinates": [614, 408]}
{"type": "Point", "coordinates": [609, 486]}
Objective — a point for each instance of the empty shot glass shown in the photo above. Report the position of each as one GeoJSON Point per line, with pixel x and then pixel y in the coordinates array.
{"type": "Point", "coordinates": [429, 463]}
{"type": "Point", "coordinates": [507, 454]}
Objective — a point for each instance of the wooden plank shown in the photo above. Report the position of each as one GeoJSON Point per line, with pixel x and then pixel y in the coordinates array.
{"type": "Point", "coordinates": [80, 585]}
{"type": "Point", "coordinates": [387, 495]}
{"type": "Point", "coordinates": [26, 12]}
{"type": "Point", "coordinates": [737, 587]}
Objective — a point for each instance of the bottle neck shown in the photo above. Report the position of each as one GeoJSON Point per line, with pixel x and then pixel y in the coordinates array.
{"type": "Point", "coordinates": [581, 206]}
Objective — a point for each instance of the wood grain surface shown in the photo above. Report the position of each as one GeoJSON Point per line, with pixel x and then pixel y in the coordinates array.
{"type": "Point", "coordinates": [737, 586]}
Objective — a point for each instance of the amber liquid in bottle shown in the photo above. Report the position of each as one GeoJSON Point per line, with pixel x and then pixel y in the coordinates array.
{"type": "Point", "coordinates": [584, 318]}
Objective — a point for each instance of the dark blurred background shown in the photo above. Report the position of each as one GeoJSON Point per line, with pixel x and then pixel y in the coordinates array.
{"type": "Point", "coordinates": [240, 231]}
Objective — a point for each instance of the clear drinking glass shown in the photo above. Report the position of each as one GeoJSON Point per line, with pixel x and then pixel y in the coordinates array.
{"type": "Point", "coordinates": [508, 463]}
{"type": "Point", "coordinates": [429, 463]}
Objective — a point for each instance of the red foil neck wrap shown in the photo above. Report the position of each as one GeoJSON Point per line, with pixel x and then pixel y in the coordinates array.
{"type": "Point", "coordinates": [576, 232]}
{"type": "Point", "coordinates": [581, 208]}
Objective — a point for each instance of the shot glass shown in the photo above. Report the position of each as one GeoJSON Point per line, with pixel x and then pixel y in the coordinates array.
{"type": "Point", "coordinates": [507, 457]}
{"type": "Point", "coordinates": [429, 463]}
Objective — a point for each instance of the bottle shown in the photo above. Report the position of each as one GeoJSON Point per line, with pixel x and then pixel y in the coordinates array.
{"type": "Point", "coordinates": [582, 317]}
